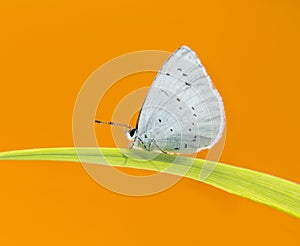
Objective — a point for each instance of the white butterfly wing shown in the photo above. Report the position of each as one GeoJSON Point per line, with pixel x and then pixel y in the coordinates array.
{"type": "Point", "coordinates": [182, 112]}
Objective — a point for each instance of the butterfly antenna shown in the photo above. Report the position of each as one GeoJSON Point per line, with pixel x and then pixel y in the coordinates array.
{"type": "Point", "coordinates": [113, 124]}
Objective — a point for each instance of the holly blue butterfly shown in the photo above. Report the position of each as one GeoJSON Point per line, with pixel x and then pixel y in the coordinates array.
{"type": "Point", "coordinates": [182, 112]}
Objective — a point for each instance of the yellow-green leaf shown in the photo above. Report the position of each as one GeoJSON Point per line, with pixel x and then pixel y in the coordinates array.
{"type": "Point", "coordinates": [257, 186]}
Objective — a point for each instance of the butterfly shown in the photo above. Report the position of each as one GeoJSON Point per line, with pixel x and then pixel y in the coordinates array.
{"type": "Point", "coordinates": [182, 112]}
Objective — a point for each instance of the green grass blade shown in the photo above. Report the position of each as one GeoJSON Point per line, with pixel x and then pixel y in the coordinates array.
{"type": "Point", "coordinates": [260, 187]}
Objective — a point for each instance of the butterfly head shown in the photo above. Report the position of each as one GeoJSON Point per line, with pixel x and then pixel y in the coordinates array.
{"type": "Point", "coordinates": [130, 134]}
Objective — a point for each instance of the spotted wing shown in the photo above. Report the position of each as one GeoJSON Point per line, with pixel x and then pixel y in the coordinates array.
{"type": "Point", "coordinates": [182, 112]}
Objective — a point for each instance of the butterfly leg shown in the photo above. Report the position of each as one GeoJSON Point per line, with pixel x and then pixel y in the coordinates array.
{"type": "Point", "coordinates": [130, 145]}
{"type": "Point", "coordinates": [154, 142]}
{"type": "Point", "coordinates": [142, 142]}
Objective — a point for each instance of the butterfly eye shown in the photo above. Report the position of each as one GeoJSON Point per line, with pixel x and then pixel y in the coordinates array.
{"type": "Point", "coordinates": [131, 132]}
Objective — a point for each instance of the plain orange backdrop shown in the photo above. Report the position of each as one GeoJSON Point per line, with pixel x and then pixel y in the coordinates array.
{"type": "Point", "coordinates": [49, 48]}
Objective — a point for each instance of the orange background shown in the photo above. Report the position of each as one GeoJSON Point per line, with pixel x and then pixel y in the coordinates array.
{"type": "Point", "coordinates": [49, 48]}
